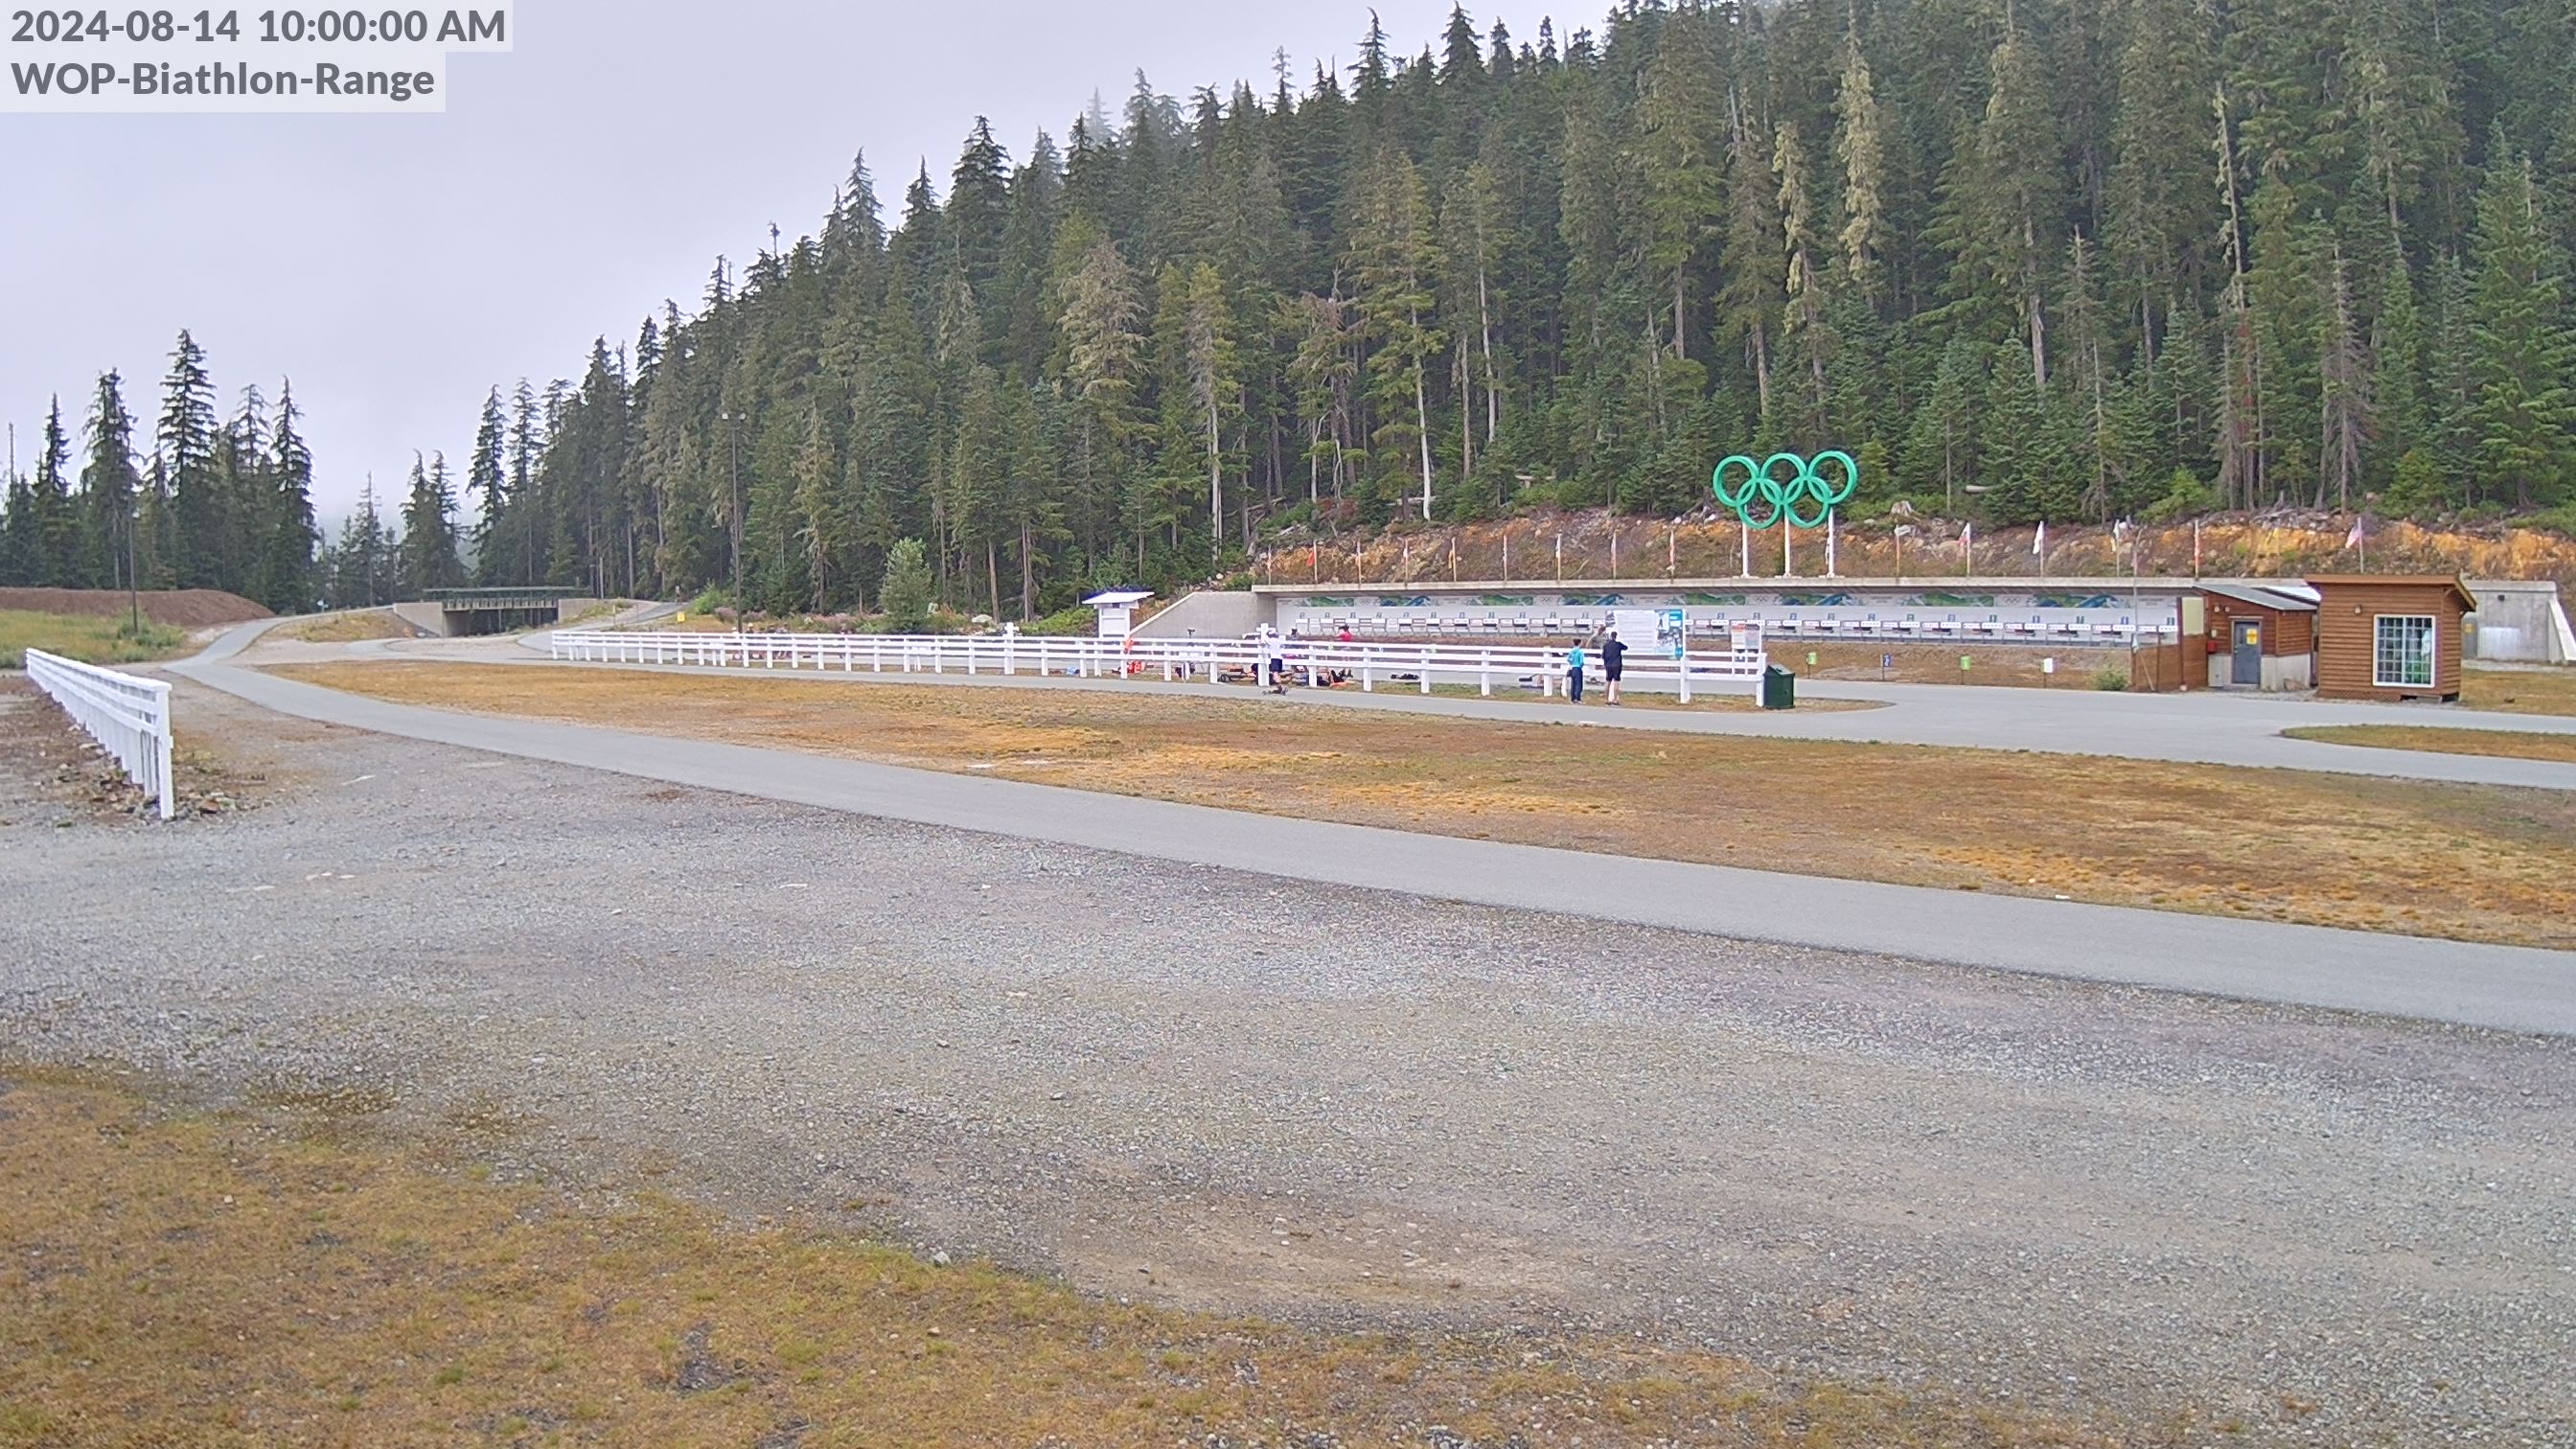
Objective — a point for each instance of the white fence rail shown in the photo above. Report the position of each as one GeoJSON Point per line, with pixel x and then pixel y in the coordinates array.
{"type": "Point", "coordinates": [129, 717]}
{"type": "Point", "coordinates": [1297, 661]}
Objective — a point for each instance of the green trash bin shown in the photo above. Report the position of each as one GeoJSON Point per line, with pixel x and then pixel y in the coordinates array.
{"type": "Point", "coordinates": [1779, 688]}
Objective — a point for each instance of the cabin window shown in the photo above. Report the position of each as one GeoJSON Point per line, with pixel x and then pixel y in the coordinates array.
{"type": "Point", "coordinates": [2403, 655]}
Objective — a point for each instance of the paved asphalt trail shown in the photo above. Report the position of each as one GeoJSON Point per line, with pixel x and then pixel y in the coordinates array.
{"type": "Point", "coordinates": [2507, 988]}
{"type": "Point", "coordinates": [2202, 1223]}
{"type": "Point", "coordinates": [2202, 728]}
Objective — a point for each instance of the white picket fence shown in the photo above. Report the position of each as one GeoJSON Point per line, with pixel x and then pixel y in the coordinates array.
{"type": "Point", "coordinates": [129, 717]}
{"type": "Point", "coordinates": [1299, 661]}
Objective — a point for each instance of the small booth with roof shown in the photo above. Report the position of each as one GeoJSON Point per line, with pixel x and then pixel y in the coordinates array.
{"type": "Point", "coordinates": [2257, 636]}
{"type": "Point", "coordinates": [2390, 637]}
{"type": "Point", "coordinates": [1118, 610]}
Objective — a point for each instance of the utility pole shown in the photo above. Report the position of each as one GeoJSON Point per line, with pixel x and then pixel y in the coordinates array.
{"type": "Point", "coordinates": [733, 448]}
{"type": "Point", "coordinates": [2125, 533]}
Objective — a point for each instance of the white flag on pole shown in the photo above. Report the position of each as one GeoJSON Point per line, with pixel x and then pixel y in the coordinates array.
{"type": "Point", "coordinates": [2039, 541]}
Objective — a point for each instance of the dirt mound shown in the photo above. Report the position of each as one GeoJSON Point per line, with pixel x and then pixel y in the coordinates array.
{"type": "Point", "coordinates": [176, 608]}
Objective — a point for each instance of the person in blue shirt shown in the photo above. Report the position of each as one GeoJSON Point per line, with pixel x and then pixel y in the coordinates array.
{"type": "Point", "coordinates": [1574, 673]}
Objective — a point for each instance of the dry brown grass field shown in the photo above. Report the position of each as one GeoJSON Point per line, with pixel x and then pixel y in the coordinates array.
{"type": "Point", "coordinates": [2507, 744]}
{"type": "Point", "coordinates": [2520, 691]}
{"type": "Point", "coordinates": [2468, 862]}
{"type": "Point", "coordinates": [295, 1272]}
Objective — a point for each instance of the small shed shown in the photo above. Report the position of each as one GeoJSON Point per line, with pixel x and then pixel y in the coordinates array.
{"type": "Point", "coordinates": [2258, 638]}
{"type": "Point", "coordinates": [1118, 610]}
{"type": "Point", "coordinates": [2382, 636]}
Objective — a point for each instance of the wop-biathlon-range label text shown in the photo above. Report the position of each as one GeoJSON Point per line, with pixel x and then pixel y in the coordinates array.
{"type": "Point", "coordinates": [110, 61]}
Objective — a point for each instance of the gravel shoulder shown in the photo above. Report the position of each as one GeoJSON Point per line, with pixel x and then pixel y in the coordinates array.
{"type": "Point", "coordinates": [1229, 1091]}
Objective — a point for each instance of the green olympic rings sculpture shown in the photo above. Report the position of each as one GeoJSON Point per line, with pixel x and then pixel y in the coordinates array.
{"type": "Point", "coordinates": [1765, 499]}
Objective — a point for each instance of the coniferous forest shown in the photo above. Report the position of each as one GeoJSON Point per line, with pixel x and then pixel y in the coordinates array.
{"type": "Point", "coordinates": [190, 500]}
{"type": "Point", "coordinates": [2028, 260]}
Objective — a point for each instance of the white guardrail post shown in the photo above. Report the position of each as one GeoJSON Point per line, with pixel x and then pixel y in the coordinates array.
{"type": "Point", "coordinates": [129, 717]}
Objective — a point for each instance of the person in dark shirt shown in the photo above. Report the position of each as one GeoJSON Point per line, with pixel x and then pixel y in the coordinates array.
{"type": "Point", "coordinates": [1614, 656]}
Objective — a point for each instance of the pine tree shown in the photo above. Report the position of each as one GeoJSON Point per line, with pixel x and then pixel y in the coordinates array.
{"type": "Point", "coordinates": [1941, 450]}
{"type": "Point", "coordinates": [1394, 261]}
{"type": "Point", "coordinates": [1860, 144]}
{"type": "Point", "coordinates": [2159, 216]}
{"type": "Point", "coordinates": [486, 481]}
{"type": "Point", "coordinates": [158, 552]}
{"type": "Point", "coordinates": [2525, 411]}
{"type": "Point", "coordinates": [2017, 201]}
{"type": "Point", "coordinates": [2397, 378]}
{"type": "Point", "coordinates": [822, 522]}
{"type": "Point", "coordinates": [1803, 285]}
{"type": "Point", "coordinates": [20, 547]}
{"type": "Point", "coordinates": [975, 483]}
{"type": "Point", "coordinates": [2453, 364]}
{"type": "Point", "coordinates": [249, 493]}
{"type": "Point", "coordinates": [1750, 304]}
{"type": "Point", "coordinates": [979, 202]}
{"type": "Point", "coordinates": [1104, 346]}
{"type": "Point", "coordinates": [1679, 138]}
{"type": "Point", "coordinates": [2347, 417]}
{"type": "Point", "coordinates": [428, 549]}
{"type": "Point", "coordinates": [58, 529]}
{"type": "Point", "coordinates": [285, 580]}
{"type": "Point", "coordinates": [2093, 384]}
{"type": "Point", "coordinates": [108, 489]}
{"type": "Point", "coordinates": [904, 593]}
{"type": "Point", "coordinates": [197, 535]}
{"type": "Point", "coordinates": [1214, 389]}
{"type": "Point", "coordinates": [369, 570]}
{"type": "Point", "coordinates": [2031, 464]}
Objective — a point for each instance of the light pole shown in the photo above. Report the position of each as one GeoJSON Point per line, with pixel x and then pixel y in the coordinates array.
{"type": "Point", "coordinates": [133, 579]}
{"type": "Point", "coordinates": [733, 448]}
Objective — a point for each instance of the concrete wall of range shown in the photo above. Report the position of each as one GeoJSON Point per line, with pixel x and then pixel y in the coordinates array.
{"type": "Point", "coordinates": [1210, 614]}
{"type": "Point", "coordinates": [2522, 621]}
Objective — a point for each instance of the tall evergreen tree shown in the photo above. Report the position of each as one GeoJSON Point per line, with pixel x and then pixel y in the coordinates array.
{"type": "Point", "coordinates": [1393, 260]}
{"type": "Point", "coordinates": [109, 486]}
{"type": "Point", "coordinates": [428, 549]}
{"type": "Point", "coordinates": [19, 544]}
{"type": "Point", "coordinates": [58, 528]}
{"type": "Point", "coordinates": [486, 482]}
{"type": "Point", "coordinates": [200, 526]}
{"type": "Point", "coordinates": [284, 581]}
{"type": "Point", "coordinates": [2526, 411]}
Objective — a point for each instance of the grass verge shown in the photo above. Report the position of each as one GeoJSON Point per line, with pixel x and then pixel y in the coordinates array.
{"type": "Point", "coordinates": [294, 1273]}
{"type": "Point", "coordinates": [2469, 862]}
{"type": "Point", "coordinates": [2507, 744]}
{"type": "Point", "coordinates": [2520, 691]}
{"type": "Point", "coordinates": [91, 640]}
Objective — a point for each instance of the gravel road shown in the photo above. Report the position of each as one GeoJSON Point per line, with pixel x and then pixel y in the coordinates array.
{"type": "Point", "coordinates": [1227, 1091]}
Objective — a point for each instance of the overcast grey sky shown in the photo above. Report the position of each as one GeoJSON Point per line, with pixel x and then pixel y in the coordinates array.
{"type": "Point", "coordinates": [396, 267]}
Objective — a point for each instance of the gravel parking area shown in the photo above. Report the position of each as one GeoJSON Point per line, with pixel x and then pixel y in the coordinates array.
{"type": "Point", "coordinates": [2220, 1222]}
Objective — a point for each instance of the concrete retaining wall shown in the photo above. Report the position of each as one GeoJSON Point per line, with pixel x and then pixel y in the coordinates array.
{"type": "Point", "coordinates": [1208, 615]}
{"type": "Point", "coordinates": [2518, 620]}
{"type": "Point", "coordinates": [428, 618]}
